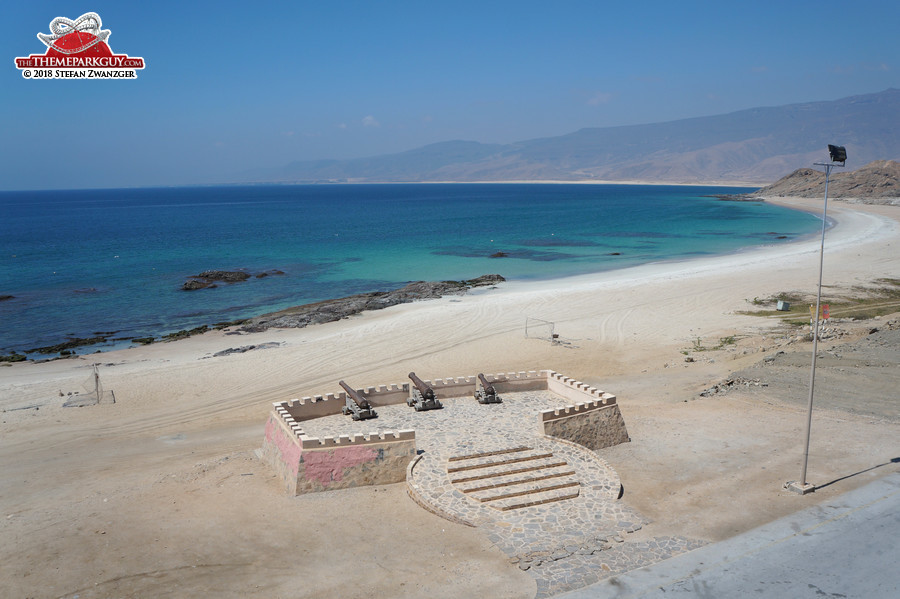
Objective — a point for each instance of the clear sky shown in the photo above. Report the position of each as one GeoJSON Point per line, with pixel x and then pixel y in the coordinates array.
{"type": "Point", "coordinates": [231, 86]}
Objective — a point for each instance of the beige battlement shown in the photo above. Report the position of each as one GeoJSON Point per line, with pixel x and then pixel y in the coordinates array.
{"type": "Point", "coordinates": [307, 442]}
{"type": "Point", "coordinates": [595, 424]}
{"type": "Point", "coordinates": [308, 463]}
{"type": "Point", "coordinates": [316, 406]}
{"type": "Point", "coordinates": [578, 408]}
{"type": "Point", "coordinates": [583, 396]}
{"type": "Point", "coordinates": [576, 390]}
{"type": "Point", "coordinates": [359, 439]}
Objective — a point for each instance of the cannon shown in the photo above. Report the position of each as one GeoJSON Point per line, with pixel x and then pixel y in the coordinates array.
{"type": "Point", "coordinates": [485, 392]}
{"type": "Point", "coordinates": [421, 396]}
{"type": "Point", "coordinates": [356, 405]}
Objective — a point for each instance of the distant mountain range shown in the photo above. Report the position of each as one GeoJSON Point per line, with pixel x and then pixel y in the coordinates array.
{"type": "Point", "coordinates": [754, 146]}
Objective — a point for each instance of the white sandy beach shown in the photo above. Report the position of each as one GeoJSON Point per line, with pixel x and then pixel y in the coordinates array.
{"type": "Point", "coordinates": [161, 495]}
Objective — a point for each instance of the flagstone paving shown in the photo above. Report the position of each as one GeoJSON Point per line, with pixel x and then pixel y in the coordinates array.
{"type": "Point", "coordinates": [552, 506]}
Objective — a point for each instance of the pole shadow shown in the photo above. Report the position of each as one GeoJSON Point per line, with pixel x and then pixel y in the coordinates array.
{"type": "Point", "coordinates": [837, 480]}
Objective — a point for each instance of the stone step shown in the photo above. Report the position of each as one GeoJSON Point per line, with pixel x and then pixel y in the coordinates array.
{"type": "Point", "coordinates": [504, 480]}
{"type": "Point", "coordinates": [519, 467]}
{"type": "Point", "coordinates": [483, 454]}
{"type": "Point", "coordinates": [532, 499]}
{"type": "Point", "coordinates": [494, 461]}
{"type": "Point", "coordinates": [524, 490]}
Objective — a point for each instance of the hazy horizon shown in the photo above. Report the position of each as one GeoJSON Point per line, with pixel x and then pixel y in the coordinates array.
{"type": "Point", "coordinates": [230, 87]}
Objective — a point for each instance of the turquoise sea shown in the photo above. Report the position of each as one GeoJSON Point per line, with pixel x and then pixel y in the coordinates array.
{"type": "Point", "coordinates": [82, 262]}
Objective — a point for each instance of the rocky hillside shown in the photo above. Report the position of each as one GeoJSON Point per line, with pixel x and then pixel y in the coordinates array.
{"type": "Point", "coordinates": [877, 182]}
{"type": "Point", "coordinates": [752, 146]}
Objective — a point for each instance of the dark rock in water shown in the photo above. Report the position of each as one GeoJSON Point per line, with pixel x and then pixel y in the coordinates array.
{"type": "Point", "coordinates": [193, 284]}
{"type": "Point", "coordinates": [207, 278]}
{"type": "Point", "coordinates": [499, 255]}
{"type": "Point", "coordinates": [228, 276]}
{"type": "Point", "coordinates": [614, 254]}
{"type": "Point", "coordinates": [737, 197]}
{"type": "Point", "coordinates": [331, 310]}
{"type": "Point", "coordinates": [6, 297]}
{"type": "Point", "coordinates": [144, 340]}
{"type": "Point", "coordinates": [13, 357]}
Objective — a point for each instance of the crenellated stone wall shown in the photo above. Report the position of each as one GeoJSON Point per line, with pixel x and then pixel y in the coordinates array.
{"type": "Point", "coordinates": [316, 406]}
{"type": "Point", "coordinates": [595, 424]}
{"type": "Point", "coordinates": [379, 460]}
{"type": "Point", "coordinates": [308, 464]}
{"type": "Point", "coordinates": [281, 450]}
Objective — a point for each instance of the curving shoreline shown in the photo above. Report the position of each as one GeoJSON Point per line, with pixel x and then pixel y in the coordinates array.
{"type": "Point", "coordinates": [338, 308]}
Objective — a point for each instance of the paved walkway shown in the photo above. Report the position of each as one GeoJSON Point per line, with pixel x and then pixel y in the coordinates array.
{"type": "Point", "coordinates": [845, 547]}
{"type": "Point", "coordinates": [552, 506]}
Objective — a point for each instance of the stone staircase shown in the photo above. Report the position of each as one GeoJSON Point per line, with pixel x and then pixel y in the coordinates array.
{"type": "Point", "coordinates": [509, 479]}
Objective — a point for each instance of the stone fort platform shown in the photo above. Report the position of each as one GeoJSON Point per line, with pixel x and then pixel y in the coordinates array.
{"type": "Point", "coordinates": [528, 471]}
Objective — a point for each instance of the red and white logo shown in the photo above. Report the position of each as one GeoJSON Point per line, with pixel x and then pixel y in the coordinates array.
{"type": "Point", "coordinates": [78, 50]}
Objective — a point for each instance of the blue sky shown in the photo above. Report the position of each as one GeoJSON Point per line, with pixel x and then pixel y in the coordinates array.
{"type": "Point", "coordinates": [232, 86]}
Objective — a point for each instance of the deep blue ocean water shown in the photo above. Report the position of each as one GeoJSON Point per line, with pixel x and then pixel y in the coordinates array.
{"type": "Point", "coordinates": [89, 261]}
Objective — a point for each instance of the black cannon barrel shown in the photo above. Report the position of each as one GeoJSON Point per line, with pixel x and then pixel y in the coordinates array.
{"type": "Point", "coordinates": [426, 391]}
{"type": "Point", "coordinates": [361, 401]}
{"type": "Point", "coordinates": [488, 388]}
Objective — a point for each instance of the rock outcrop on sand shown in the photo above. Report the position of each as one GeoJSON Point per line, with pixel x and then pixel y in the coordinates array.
{"type": "Point", "coordinates": [876, 183]}
{"type": "Point", "coordinates": [336, 309]}
{"type": "Point", "coordinates": [859, 376]}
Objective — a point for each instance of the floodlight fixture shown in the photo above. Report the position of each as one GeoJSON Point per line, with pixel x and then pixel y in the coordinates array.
{"type": "Point", "coordinates": [838, 154]}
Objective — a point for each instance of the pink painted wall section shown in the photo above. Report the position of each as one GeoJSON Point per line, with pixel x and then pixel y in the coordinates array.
{"type": "Point", "coordinates": [354, 465]}
{"type": "Point", "coordinates": [335, 463]}
{"type": "Point", "coordinates": [283, 444]}
{"type": "Point", "coordinates": [327, 466]}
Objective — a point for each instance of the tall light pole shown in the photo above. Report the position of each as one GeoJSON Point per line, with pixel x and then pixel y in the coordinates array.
{"type": "Point", "coordinates": [837, 154]}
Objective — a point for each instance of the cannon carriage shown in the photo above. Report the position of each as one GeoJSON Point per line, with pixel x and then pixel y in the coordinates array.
{"type": "Point", "coordinates": [485, 392]}
{"type": "Point", "coordinates": [356, 405]}
{"type": "Point", "coordinates": [421, 396]}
